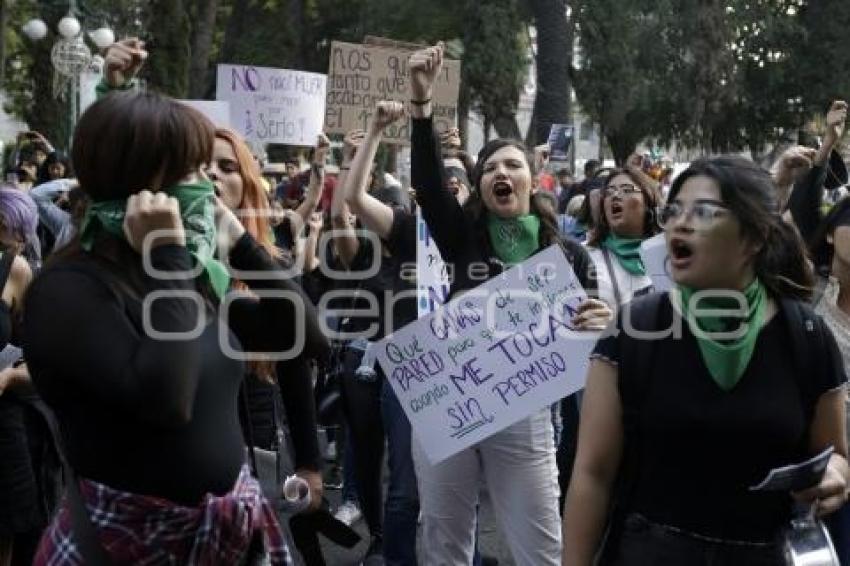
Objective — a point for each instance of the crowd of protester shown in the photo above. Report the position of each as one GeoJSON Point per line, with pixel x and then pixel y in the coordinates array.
{"type": "Point", "coordinates": [151, 280]}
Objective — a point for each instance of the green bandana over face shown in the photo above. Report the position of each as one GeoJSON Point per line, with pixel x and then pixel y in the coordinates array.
{"type": "Point", "coordinates": [627, 251]}
{"type": "Point", "coordinates": [726, 361]}
{"type": "Point", "coordinates": [514, 239]}
{"type": "Point", "coordinates": [197, 210]}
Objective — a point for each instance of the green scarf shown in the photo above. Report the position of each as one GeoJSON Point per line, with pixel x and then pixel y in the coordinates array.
{"type": "Point", "coordinates": [627, 251]}
{"type": "Point", "coordinates": [197, 209]}
{"type": "Point", "coordinates": [514, 239]}
{"type": "Point", "coordinates": [726, 361]}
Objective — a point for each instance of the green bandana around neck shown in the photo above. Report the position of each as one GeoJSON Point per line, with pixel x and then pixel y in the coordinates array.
{"type": "Point", "coordinates": [627, 251]}
{"type": "Point", "coordinates": [726, 362]}
{"type": "Point", "coordinates": [514, 239]}
{"type": "Point", "coordinates": [197, 210]}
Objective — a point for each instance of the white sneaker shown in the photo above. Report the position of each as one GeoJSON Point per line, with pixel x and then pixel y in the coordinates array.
{"type": "Point", "coordinates": [348, 513]}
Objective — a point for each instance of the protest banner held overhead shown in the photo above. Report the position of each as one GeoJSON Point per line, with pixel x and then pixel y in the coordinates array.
{"type": "Point", "coordinates": [273, 105]}
{"type": "Point", "coordinates": [361, 75]}
{"type": "Point", "coordinates": [490, 357]}
{"type": "Point", "coordinates": [560, 141]}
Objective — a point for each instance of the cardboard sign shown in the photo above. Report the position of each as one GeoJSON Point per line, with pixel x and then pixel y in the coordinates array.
{"type": "Point", "coordinates": [431, 272]}
{"type": "Point", "coordinates": [360, 76]}
{"type": "Point", "coordinates": [217, 111]}
{"type": "Point", "coordinates": [653, 252]}
{"type": "Point", "coordinates": [560, 140]}
{"type": "Point", "coordinates": [490, 357]}
{"type": "Point", "coordinates": [273, 105]}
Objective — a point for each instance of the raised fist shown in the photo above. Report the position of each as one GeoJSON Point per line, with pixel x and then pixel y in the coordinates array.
{"type": "Point", "coordinates": [350, 143]}
{"type": "Point", "coordinates": [323, 146]}
{"type": "Point", "coordinates": [792, 163]}
{"type": "Point", "coordinates": [123, 61]}
{"type": "Point", "coordinates": [154, 215]}
{"type": "Point", "coordinates": [386, 112]}
{"type": "Point", "coordinates": [424, 66]}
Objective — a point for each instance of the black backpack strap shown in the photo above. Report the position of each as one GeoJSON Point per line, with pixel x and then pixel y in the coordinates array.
{"type": "Point", "coordinates": [617, 296]}
{"type": "Point", "coordinates": [808, 343]}
{"type": "Point", "coordinates": [6, 259]}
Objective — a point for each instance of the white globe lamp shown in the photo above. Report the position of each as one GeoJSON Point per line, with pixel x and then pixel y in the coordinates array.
{"type": "Point", "coordinates": [69, 27]}
{"type": "Point", "coordinates": [102, 37]}
{"type": "Point", "coordinates": [35, 29]}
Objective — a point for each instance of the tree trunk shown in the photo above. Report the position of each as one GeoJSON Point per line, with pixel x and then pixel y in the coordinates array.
{"type": "Point", "coordinates": [233, 31]}
{"type": "Point", "coordinates": [298, 14]}
{"type": "Point", "coordinates": [506, 126]}
{"type": "Point", "coordinates": [202, 38]}
{"type": "Point", "coordinates": [169, 31]}
{"type": "Point", "coordinates": [4, 22]}
{"type": "Point", "coordinates": [553, 60]}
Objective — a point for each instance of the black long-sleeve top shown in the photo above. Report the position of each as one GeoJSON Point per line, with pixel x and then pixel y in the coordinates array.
{"type": "Point", "coordinates": [462, 240]}
{"type": "Point", "coordinates": [805, 201]}
{"type": "Point", "coordinates": [144, 413]}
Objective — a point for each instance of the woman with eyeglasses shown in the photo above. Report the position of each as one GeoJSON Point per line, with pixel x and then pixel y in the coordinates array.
{"type": "Point", "coordinates": [627, 219]}
{"type": "Point", "coordinates": [696, 394]}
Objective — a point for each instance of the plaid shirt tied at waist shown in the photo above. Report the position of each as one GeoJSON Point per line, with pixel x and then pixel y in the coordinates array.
{"type": "Point", "coordinates": [144, 530]}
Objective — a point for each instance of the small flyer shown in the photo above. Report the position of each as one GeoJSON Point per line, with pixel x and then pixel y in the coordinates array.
{"type": "Point", "coordinates": [796, 477]}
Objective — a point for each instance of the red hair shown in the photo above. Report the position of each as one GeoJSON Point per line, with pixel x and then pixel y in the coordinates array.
{"type": "Point", "coordinates": [255, 219]}
{"type": "Point", "coordinates": [255, 201]}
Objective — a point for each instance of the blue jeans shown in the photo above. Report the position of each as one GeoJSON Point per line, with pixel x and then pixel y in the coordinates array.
{"type": "Point", "coordinates": [401, 508]}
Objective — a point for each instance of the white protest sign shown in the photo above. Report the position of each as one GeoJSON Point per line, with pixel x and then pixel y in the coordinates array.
{"type": "Point", "coordinates": [273, 105]}
{"type": "Point", "coordinates": [490, 357]}
{"type": "Point", "coordinates": [217, 111]}
{"type": "Point", "coordinates": [653, 252]}
{"type": "Point", "coordinates": [431, 273]}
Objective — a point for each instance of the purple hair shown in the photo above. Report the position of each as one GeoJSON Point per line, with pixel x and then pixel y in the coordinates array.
{"type": "Point", "coordinates": [18, 215]}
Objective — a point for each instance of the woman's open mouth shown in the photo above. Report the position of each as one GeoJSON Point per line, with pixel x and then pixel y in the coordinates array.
{"type": "Point", "coordinates": [681, 253]}
{"type": "Point", "coordinates": [502, 191]}
{"type": "Point", "coordinates": [616, 209]}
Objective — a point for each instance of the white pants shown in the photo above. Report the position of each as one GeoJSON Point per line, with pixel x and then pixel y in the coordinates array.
{"type": "Point", "coordinates": [518, 465]}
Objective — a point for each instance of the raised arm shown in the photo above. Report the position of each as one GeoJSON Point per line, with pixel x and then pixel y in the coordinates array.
{"type": "Point", "coordinates": [634, 166]}
{"type": "Point", "coordinates": [311, 259]}
{"type": "Point", "coordinates": [280, 317]}
{"type": "Point", "coordinates": [121, 64]}
{"type": "Point", "coordinates": [374, 214]}
{"type": "Point", "coordinates": [345, 238]}
{"type": "Point", "coordinates": [600, 446]}
{"type": "Point", "coordinates": [440, 208]}
{"type": "Point", "coordinates": [52, 216]}
{"type": "Point", "coordinates": [805, 200]}
{"type": "Point", "coordinates": [317, 181]}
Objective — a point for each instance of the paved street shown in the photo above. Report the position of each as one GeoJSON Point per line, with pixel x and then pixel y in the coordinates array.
{"type": "Point", "coordinates": [492, 542]}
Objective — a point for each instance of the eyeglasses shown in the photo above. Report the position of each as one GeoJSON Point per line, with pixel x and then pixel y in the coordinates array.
{"type": "Point", "coordinates": [702, 214]}
{"type": "Point", "coordinates": [624, 189]}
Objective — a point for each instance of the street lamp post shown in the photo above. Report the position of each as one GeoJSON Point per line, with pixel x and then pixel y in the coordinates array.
{"type": "Point", "coordinates": [70, 56]}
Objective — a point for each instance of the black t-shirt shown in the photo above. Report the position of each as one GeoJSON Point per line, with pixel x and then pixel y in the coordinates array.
{"type": "Point", "coordinates": [700, 448]}
{"type": "Point", "coordinates": [393, 286]}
